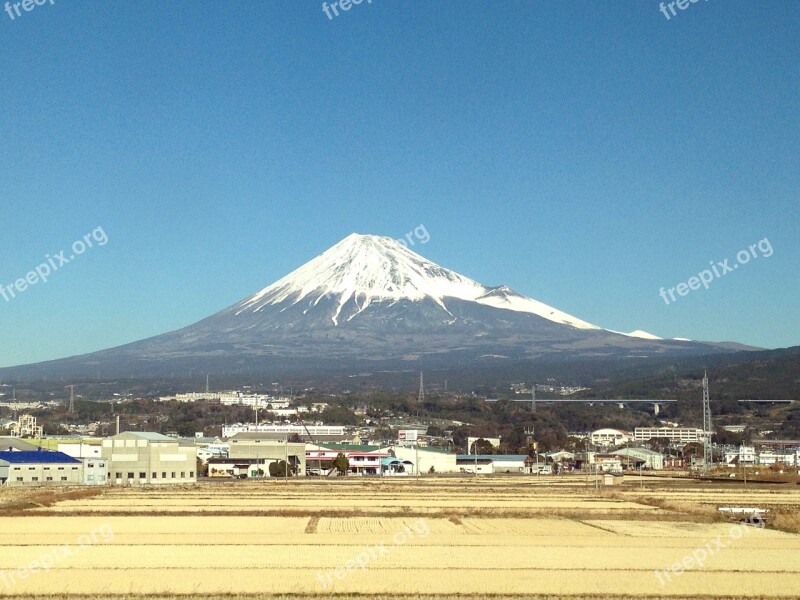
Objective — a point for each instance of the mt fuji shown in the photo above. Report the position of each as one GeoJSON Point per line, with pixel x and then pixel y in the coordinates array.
{"type": "Point", "coordinates": [369, 300]}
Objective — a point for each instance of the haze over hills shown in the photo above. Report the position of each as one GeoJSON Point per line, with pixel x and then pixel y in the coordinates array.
{"type": "Point", "coordinates": [370, 301]}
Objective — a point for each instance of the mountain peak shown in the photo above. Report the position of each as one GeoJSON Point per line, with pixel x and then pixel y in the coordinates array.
{"type": "Point", "coordinates": [363, 269]}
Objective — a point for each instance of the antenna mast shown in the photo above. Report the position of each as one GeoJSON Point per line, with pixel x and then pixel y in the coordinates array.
{"type": "Point", "coordinates": [707, 456]}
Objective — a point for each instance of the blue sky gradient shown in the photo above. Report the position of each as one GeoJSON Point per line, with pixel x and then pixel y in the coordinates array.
{"type": "Point", "coordinates": [583, 153]}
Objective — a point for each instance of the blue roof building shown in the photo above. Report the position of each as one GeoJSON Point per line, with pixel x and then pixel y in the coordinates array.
{"type": "Point", "coordinates": [37, 457]}
{"type": "Point", "coordinates": [31, 468]}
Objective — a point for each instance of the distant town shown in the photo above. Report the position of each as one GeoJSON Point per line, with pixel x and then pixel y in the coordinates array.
{"type": "Point", "coordinates": [301, 435]}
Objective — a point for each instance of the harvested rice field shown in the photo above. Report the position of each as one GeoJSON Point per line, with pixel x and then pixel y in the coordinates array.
{"type": "Point", "coordinates": [437, 538]}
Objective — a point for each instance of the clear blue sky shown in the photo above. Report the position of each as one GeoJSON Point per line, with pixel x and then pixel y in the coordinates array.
{"type": "Point", "coordinates": [583, 153]}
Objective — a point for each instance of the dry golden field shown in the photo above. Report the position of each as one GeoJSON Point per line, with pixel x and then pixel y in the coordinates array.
{"type": "Point", "coordinates": [435, 538]}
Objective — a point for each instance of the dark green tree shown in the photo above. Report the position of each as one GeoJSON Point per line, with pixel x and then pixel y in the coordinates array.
{"type": "Point", "coordinates": [342, 464]}
{"type": "Point", "coordinates": [277, 469]}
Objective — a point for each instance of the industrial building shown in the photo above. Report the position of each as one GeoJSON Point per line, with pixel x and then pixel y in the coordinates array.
{"type": "Point", "coordinates": [26, 427]}
{"type": "Point", "coordinates": [21, 468]}
{"type": "Point", "coordinates": [259, 445]}
{"type": "Point", "coordinates": [240, 468]}
{"type": "Point", "coordinates": [80, 449]}
{"type": "Point", "coordinates": [639, 457]}
{"type": "Point", "coordinates": [609, 437]}
{"type": "Point", "coordinates": [676, 435]}
{"type": "Point", "coordinates": [310, 433]}
{"type": "Point", "coordinates": [494, 463]}
{"type": "Point", "coordinates": [139, 458]}
{"type": "Point", "coordinates": [425, 460]}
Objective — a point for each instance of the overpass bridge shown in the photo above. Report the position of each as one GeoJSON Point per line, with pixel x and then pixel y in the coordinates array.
{"type": "Point", "coordinates": [657, 403]}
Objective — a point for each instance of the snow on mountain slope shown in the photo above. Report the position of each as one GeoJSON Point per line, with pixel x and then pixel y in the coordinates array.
{"type": "Point", "coordinates": [366, 268]}
{"type": "Point", "coordinates": [639, 334]}
{"type": "Point", "coordinates": [503, 297]}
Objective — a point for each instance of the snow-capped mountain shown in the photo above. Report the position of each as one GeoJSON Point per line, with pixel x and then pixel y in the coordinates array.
{"type": "Point", "coordinates": [362, 269]}
{"type": "Point", "coordinates": [370, 301]}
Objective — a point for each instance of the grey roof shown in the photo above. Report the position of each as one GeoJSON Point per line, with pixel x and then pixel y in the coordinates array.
{"type": "Point", "coordinates": [634, 452]}
{"type": "Point", "coordinates": [150, 436]}
{"type": "Point", "coordinates": [16, 444]}
{"type": "Point", "coordinates": [198, 440]}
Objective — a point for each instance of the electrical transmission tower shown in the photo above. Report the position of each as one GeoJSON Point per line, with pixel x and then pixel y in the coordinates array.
{"type": "Point", "coordinates": [71, 399]}
{"type": "Point", "coordinates": [421, 397]}
{"type": "Point", "coordinates": [707, 457]}
{"type": "Point", "coordinates": [533, 398]}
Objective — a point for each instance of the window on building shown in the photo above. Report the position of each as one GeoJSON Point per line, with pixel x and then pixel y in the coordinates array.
{"type": "Point", "coordinates": [63, 479]}
{"type": "Point", "coordinates": [60, 468]}
{"type": "Point", "coordinates": [90, 465]}
{"type": "Point", "coordinates": [118, 475]}
{"type": "Point", "coordinates": [163, 475]}
{"type": "Point", "coordinates": [31, 468]}
{"type": "Point", "coordinates": [101, 478]}
{"type": "Point", "coordinates": [155, 475]}
{"type": "Point", "coordinates": [142, 475]}
{"type": "Point", "coordinates": [173, 474]}
{"type": "Point", "coordinates": [47, 468]}
{"type": "Point", "coordinates": [49, 479]}
{"type": "Point", "coordinates": [16, 468]}
{"type": "Point", "coordinates": [183, 474]}
{"type": "Point", "coordinates": [130, 475]}
{"type": "Point", "coordinates": [74, 468]}
{"type": "Point", "coordinates": [191, 474]}
{"type": "Point", "coordinates": [90, 478]}
{"type": "Point", "coordinates": [34, 479]}
{"type": "Point", "coordinates": [19, 478]}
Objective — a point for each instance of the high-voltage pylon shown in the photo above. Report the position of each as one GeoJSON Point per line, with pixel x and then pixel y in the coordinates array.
{"type": "Point", "coordinates": [421, 397]}
{"type": "Point", "coordinates": [707, 457]}
{"type": "Point", "coordinates": [71, 399]}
